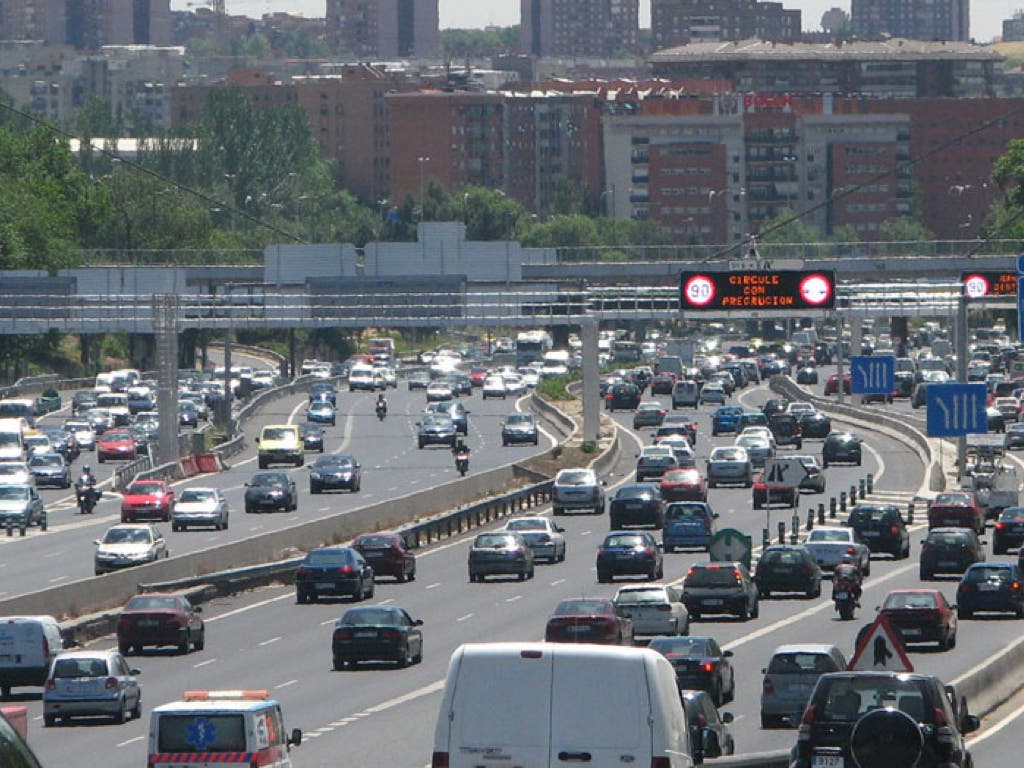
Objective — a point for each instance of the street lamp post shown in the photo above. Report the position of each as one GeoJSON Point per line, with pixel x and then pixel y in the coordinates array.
{"type": "Point", "coordinates": [423, 208]}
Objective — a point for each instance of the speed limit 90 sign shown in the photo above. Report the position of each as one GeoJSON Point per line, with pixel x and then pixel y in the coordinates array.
{"type": "Point", "coordinates": [699, 290]}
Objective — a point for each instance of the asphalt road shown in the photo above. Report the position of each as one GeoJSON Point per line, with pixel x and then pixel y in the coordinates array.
{"type": "Point", "coordinates": [264, 640]}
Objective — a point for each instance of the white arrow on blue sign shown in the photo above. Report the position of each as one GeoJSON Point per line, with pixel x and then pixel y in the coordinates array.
{"type": "Point", "coordinates": [955, 410]}
{"type": "Point", "coordinates": [872, 374]}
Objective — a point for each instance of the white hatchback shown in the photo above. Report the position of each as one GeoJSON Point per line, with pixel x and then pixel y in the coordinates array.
{"type": "Point", "coordinates": [654, 609]}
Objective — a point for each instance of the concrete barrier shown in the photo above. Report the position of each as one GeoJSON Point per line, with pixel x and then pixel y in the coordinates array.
{"type": "Point", "coordinates": [559, 421]}
{"type": "Point", "coordinates": [993, 681]}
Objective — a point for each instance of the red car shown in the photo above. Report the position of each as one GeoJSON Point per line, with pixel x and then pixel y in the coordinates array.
{"type": "Point", "coordinates": [116, 444]}
{"type": "Point", "coordinates": [588, 620]}
{"type": "Point", "coordinates": [684, 484]}
{"type": "Point", "coordinates": [477, 376]}
{"type": "Point", "coordinates": [832, 384]}
{"type": "Point", "coordinates": [387, 554]}
{"type": "Point", "coordinates": [765, 496]}
{"type": "Point", "coordinates": [958, 509]}
{"type": "Point", "coordinates": [921, 616]}
{"type": "Point", "coordinates": [147, 500]}
{"type": "Point", "coordinates": [159, 619]}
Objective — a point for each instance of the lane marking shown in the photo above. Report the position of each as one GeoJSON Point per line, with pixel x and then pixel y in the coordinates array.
{"type": "Point", "coordinates": [244, 608]}
{"type": "Point", "coordinates": [467, 616]}
{"type": "Point", "coordinates": [131, 741]}
{"type": "Point", "coordinates": [203, 663]}
{"type": "Point", "coordinates": [513, 598]}
{"type": "Point", "coordinates": [432, 586]}
{"type": "Point", "coordinates": [268, 642]}
{"type": "Point", "coordinates": [285, 684]}
{"type": "Point", "coordinates": [996, 727]}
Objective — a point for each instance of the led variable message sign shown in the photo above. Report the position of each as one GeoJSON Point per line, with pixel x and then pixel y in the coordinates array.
{"type": "Point", "coordinates": [757, 290]}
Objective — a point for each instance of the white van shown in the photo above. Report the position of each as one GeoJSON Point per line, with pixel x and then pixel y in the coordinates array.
{"type": "Point", "coordinates": [559, 704]}
{"type": "Point", "coordinates": [221, 727]}
{"type": "Point", "coordinates": [12, 439]}
{"type": "Point", "coordinates": [27, 644]}
{"type": "Point", "coordinates": [19, 408]}
{"type": "Point", "coordinates": [364, 377]}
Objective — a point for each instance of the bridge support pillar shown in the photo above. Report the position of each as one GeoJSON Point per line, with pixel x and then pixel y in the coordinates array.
{"type": "Point", "coordinates": [856, 339]}
{"type": "Point", "coordinates": [591, 380]}
{"type": "Point", "coordinates": [166, 309]}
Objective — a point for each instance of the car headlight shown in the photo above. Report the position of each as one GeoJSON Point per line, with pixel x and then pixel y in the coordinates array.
{"type": "Point", "coordinates": [315, 475]}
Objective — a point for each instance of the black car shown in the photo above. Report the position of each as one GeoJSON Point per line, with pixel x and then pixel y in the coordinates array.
{"type": "Point", "coordinates": [419, 380]}
{"type": "Point", "coordinates": [312, 437]}
{"type": "Point", "coordinates": [785, 428]}
{"type": "Point", "coordinates": [882, 528]}
{"type": "Point", "coordinates": [787, 568]}
{"type": "Point", "coordinates": [519, 428]}
{"type": "Point", "coordinates": [623, 396]}
{"type": "Point", "coordinates": [333, 571]}
{"type": "Point", "coordinates": [716, 588]}
{"type": "Point", "coordinates": [815, 425]}
{"type": "Point", "coordinates": [774, 405]}
{"type": "Point", "coordinates": [994, 587]}
{"type": "Point", "coordinates": [335, 471]}
{"type": "Point", "coordinates": [637, 504]}
{"type": "Point", "coordinates": [700, 665]}
{"type": "Point", "coordinates": [500, 553]}
{"type": "Point", "coordinates": [648, 414]}
{"type": "Point", "coordinates": [376, 633]}
{"type": "Point", "coordinates": [461, 384]}
{"type": "Point", "coordinates": [1008, 532]}
{"type": "Point", "coordinates": [840, 699]}
{"type": "Point", "coordinates": [436, 429]}
{"type": "Point", "coordinates": [1013, 437]}
{"type": "Point", "coordinates": [629, 553]}
{"type": "Point", "coordinates": [709, 732]}
{"type": "Point", "coordinates": [653, 462]}
{"type": "Point", "coordinates": [662, 383]}
{"type": "Point", "coordinates": [949, 550]}
{"type": "Point", "coordinates": [841, 446]}
{"type": "Point", "coordinates": [271, 492]}
{"type": "Point", "coordinates": [903, 384]}
{"type": "Point", "coordinates": [807, 375]}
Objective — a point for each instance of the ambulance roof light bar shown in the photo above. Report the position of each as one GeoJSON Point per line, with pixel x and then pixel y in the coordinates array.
{"type": "Point", "coordinates": [226, 695]}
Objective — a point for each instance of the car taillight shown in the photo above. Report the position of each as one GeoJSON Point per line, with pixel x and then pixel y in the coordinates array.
{"type": "Point", "coordinates": [1000, 526]}
{"type": "Point", "coordinates": [391, 634]}
{"type": "Point", "coordinates": [648, 550]}
{"type": "Point", "coordinates": [343, 634]}
{"type": "Point", "coordinates": [964, 587]}
{"type": "Point", "coordinates": [768, 687]}
{"type": "Point", "coordinates": [925, 548]}
{"type": "Point", "coordinates": [851, 551]}
{"type": "Point", "coordinates": [346, 569]}
{"type": "Point", "coordinates": [1015, 586]}
{"type": "Point", "coordinates": [665, 608]}
{"type": "Point", "coordinates": [304, 571]}
{"type": "Point", "coordinates": [894, 530]}
{"type": "Point", "coordinates": [544, 539]}
{"type": "Point", "coordinates": [440, 760]}
{"type": "Point", "coordinates": [660, 762]}
{"type": "Point", "coordinates": [708, 666]}
{"type": "Point", "coordinates": [804, 731]}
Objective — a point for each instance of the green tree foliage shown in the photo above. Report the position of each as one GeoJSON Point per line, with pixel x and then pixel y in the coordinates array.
{"type": "Point", "coordinates": [462, 44]}
{"type": "Point", "coordinates": [786, 227]}
{"type": "Point", "coordinates": [299, 44]}
{"type": "Point", "coordinates": [95, 118]}
{"type": "Point", "coordinates": [1006, 219]}
{"type": "Point", "coordinates": [904, 229]}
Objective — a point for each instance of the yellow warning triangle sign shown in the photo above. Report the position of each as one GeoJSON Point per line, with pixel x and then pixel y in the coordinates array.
{"type": "Point", "coordinates": [880, 650]}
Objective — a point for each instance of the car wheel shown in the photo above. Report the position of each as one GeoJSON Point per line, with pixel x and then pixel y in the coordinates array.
{"type": "Point", "coordinates": [764, 593]}
{"type": "Point", "coordinates": [49, 721]}
{"type": "Point", "coordinates": [403, 660]}
{"type": "Point", "coordinates": [124, 648]}
{"type": "Point", "coordinates": [768, 722]}
{"type": "Point", "coordinates": [175, 527]}
{"type": "Point", "coordinates": [521, 576]}
{"type": "Point", "coordinates": [924, 575]}
{"type": "Point", "coordinates": [339, 664]}
{"type": "Point", "coordinates": [401, 576]}
{"type": "Point", "coordinates": [603, 578]}
{"type": "Point", "coordinates": [557, 511]}
{"type": "Point", "coordinates": [867, 568]}
{"type": "Point", "coordinates": [300, 596]}
{"type": "Point", "coordinates": [963, 613]}
{"type": "Point", "coordinates": [756, 610]}
{"type": "Point", "coordinates": [248, 509]}
{"type": "Point", "coordinates": [200, 642]}
{"type": "Point", "coordinates": [669, 549]}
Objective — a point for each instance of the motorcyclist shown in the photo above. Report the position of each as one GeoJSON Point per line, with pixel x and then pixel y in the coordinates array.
{"type": "Point", "coordinates": [459, 448]}
{"type": "Point", "coordinates": [847, 578]}
{"type": "Point", "coordinates": [382, 403]}
{"type": "Point", "coordinates": [85, 486]}
{"type": "Point", "coordinates": [87, 478]}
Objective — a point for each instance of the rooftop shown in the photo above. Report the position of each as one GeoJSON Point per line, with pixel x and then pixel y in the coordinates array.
{"type": "Point", "coordinates": [858, 50]}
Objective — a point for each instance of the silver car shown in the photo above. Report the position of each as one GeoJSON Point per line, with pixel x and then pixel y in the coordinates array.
{"type": "Point", "coordinates": [730, 464]}
{"type": "Point", "coordinates": [128, 544]}
{"type": "Point", "coordinates": [91, 683]}
{"type": "Point", "coordinates": [83, 432]}
{"type": "Point", "coordinates": [542, 536]}
{"type": "Point", "coordinates": [830, 544]}
{"type": "Point", "coordinates": [16, 473]}
{"type": "Point", "coordinates": [654, 609]}
{"type": "Point", "coordinates": [200, 506]}
{"type": "Point", "coordinates": [758, 448]}
{"type": "Point", "coordinates": [790, 677]}
{"type": "Point", "coordinates": [21, 506]}
{"type": "Point", "coordinates": [577, 489]}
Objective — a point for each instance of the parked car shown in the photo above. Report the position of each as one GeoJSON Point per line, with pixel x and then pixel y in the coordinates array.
{"type": "Point", "coordinates": [921, 616]}
{"type": "Point", "coordinates": [841, 447]}
{"type": "Point", "coordinates": [333, 571]}
{"type": "Point", "coordinates": [271, 491]}
{"type": "Point", "coordinates": [577, 488]}
{"type": "Point", "coordinates": [720, 588]}
{"type": "Point", "coordinates": [789, 678]}
{"type": "Point", "coordinates": [710, 736]}
{"type": "Point", "coordinates": [629, 553]}
{"type": "Point", "coordinates": [787, 568]}
{"type": "Point", "coordinates": [637, 504]}
{"type": "Point", "coordinates": [125, 546]}
{"type": "Point", "coordinates": [654, 609]}
{"type": "Point", "coordinates": [160, 619]}
{"type": "Point", "coordinates": [990, 587]}
{"type": "Point", "coordinates": [335, 471]}
{"type": "Point", "coordinates": [519, 428]}
{"type": "Point", "coordinates": [1008, 531]}
{"type": "Point", "coordinates": [387, 554]}
{"type": "Point", "coordinates": [729, 465]}
{"type": "Point", "coordinates": [200, 506]}
{"type": "Point", "coordinates": [376, 633]}
{"type": "Point", "coordinates": [147, 500]}
{"type": "Point", "coordinates": [500, 553]}
{"type": "Point", "coordinates": [700, 665]}
{"type": "Point", "coordinates": [949, 550]}
{"type": "Point", "coordinates": [588, 620]}
{"type": "Point", "coordinates": [89, 684]}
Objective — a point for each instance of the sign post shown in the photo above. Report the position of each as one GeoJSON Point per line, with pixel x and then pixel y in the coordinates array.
{"type": "Point", "coordinates": [1020, 298]}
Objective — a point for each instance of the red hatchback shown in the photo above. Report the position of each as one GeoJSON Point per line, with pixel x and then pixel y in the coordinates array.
{"type": "Point", "coordinates": [588, 620]}
{"type": "Point", "coordinates": [683, 485]}
{"type": "Point", "coordinates": [116, 444]}
{"type": "Point", "coordinates": [160, 619]}
{"type": "Point", "coordinates": [388, 555]}
{"type": "Point", "coordinates": [832, 384]}
{"type": "Point", "coordinates": [958, 509]}
{"type": "Point", "coordinates": [147, 500]}
{"type": "Point", "coordinates": [921, 616]}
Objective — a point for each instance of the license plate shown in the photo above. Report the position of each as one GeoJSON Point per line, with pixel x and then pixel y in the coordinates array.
{"type": "Point", "coordinates": [366, 634]}
{"type": "Point", "coordinates": [625, 558]}
{"type": "Point", "coordinates": [988, 587]}
{"type": "Point", "coordinates": [148, 623]}
{"type": "Point", "coordinates": [827, 761]}
{"type": "Point", "coordinates": [841, 595]}
{"type": "Point", "coordinates": [712, 602]}
{"type": "Point", "coordinates": [911, 632]}
{"type": "Point", "coordinates": [324, 585]}
{"type": "Point", "coordinates": [575, 629]}
{"type": "Point", "coordinates": [952, 522]}
{"type": "Point", "coordinates": [869, 534]}
{"type": "Point", "coordinates": [947, 564]}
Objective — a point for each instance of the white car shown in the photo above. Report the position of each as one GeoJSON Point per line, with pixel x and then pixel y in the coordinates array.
{"type": "Point", "coordinates": [200, 506]}
{"type": "Point", "coordinates": [16, 473]}
{"type": "Point", "coordinates": [128, 544]}
{"type": "Point", "coordinates": [389, 376]}
{"type": "Point", "coordinates": [38, 443]}
{"type": "Point", "coordinates": [681, 448]}
{"type": "Point", "coordinates": [494, 386]}
{"type": "Point", "coordinates": [541, 535]}
{"type": "Point", "coordinates": [514, 384]}
{"type": "Point", "coordinates": [84, 434]}
{"type": "Point", "coordinates": [758, 448]}
{"type": "Point", "coordinates": [799, 409]}
{"type": "Point", "coordinates": [530, 376]}
{"type": "Point", "coordinates": [764, 432]}
{"type": "Point", "coordinates": [438, 391]}
{"type": "Point", "coordinates": [654, 609]}
{"type": "Point", "coordinates": [829, 544]}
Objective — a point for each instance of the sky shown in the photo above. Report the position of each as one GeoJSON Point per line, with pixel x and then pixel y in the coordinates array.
{"type": "Point", "coordinates": [986, 15]}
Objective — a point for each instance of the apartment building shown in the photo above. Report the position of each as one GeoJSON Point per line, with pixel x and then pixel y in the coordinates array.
{"type": "Point", "coordinates": [912, 19]}
{"type": "Point", "coordinates": [579, 28]}
{"type": "Point", "coordinates": [678, 22]}
{"type": "Point", "coordinates": [87, 24]}
{"type": "Point", "coordinates": [383, 29]}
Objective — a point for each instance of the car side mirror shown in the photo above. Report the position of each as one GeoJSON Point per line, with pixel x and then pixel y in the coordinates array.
{"type": "Point", "coordinates": [296, 737]}
{"type": "Point", "coordinates": [952, 607]}
{"type": "Point", "coordinates": [96, 542]}
{"type": "Point", "coordinates": [256, 440]}
{"type": "Point", "coordinates": [418, 623]}
{"type": "Point", "coordinates": [726, 654]}
{"type": "Point", "coordinates": [604, 483]}
{"type": "Point", "coordinates": [727, 717]}
{"type": "Point", "coordinates": [714, 515]}
{"type": "Point", "coordinates": [971, 724]}
{"type": "Point", "coordinates": [197, 608]}
{"type": "Point", "coordinates": [134, 671]}
{"type": "Point", "coordinates": [559, 530]}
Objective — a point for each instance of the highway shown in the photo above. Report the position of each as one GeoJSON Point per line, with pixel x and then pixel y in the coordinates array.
{"type": "Point", "coordinates": [264, 640]}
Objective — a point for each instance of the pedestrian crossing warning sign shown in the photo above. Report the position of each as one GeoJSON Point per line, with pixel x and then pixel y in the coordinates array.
{"type": "Point", "coordinates": [880, 650]}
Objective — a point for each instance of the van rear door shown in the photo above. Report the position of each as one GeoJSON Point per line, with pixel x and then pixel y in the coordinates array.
{"type": "Point", "coordinates": [600, 712]}
{"type": "Point", "coordinates": [500, 712]}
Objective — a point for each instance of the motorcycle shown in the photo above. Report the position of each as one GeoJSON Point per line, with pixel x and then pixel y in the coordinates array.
{"type": "Point", "coordinates": [462, 463]}
{"type": "Point", "coordinates": [86, 495]}
{"type": "Point", "coordinates": [845, 600]}
{"type": "Point", "coordinates": [382, 411]}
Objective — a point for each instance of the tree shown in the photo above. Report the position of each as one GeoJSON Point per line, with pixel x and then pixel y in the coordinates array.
{"type": "Point", "coordinates": [904, 229]}
{"type": "Point", "coordinates": [837, 23]}
{"type": "Point", "coordinates": [786, 227]}
{"type": "Point", "coordinates": [96, 119]}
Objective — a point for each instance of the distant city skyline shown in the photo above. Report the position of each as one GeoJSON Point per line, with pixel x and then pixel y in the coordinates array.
{"type": "Point", "coordinates": [986, 15]}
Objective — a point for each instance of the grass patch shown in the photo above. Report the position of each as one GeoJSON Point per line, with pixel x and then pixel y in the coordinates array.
{"type": "Point", "coordinates": [554, 388]}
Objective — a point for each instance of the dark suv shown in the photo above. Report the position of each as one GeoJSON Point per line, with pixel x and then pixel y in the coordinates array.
{"type": "Point", "coordinates": [720, 588]}
{"type": "Point", "coordinates": [882, 528]}
{"type": "Point", "coordinates": [788, 568]}
{"type": "Point", "coordinates": [949, 550]}
{"type": "Point", "coordinates": [840, 699]}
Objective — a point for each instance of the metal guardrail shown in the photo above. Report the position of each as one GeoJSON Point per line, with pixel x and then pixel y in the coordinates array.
{"type": "Point", "coordinates": [126, 473]}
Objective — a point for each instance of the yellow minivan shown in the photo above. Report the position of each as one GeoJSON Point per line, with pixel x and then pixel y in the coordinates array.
{"type": "Point", "coordinates": [281, 444]}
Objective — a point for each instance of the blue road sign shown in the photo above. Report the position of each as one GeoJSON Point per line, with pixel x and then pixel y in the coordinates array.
{"type": "Point", "coordinates": [872, 374]}
{"type": "Point", "coordinates": [1020, 297]}
{"type": "Point", "coordinates": [956, 409]}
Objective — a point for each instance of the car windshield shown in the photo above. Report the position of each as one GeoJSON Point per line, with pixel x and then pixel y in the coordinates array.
{"type": "Point", "coordinates": [582, 607]}
{"type": "Point", "coordinates": [680, 646]}
{"type": "Point", "coordinates": [801, 663]}
{"type": "Point", "coordinates": [949, 538]}
{"type": "Point", "coordinates": [333, 462]}
{"type": "Point", "coordinates": [953, 499]}
{"type": "Point", "coordinates": [901, 600]}
{"type": "Point", "coordinates": [625, 541]}
{"type": "Point", "coordinates": [528, 524]}
{"type": "Point", "coordinates": [728, 454]}
{"type": "Point", "coordinates": [989, 573]}
{"type": "Point", "coordinates": [192, 495]}
{"type": "Point", "coordinates": [368, 617]}
{"type": "Point", "coordinates": [494, 541]}
{"type": "Point", "coordinates": [114, 435]}
{"type": "Point", "coordinates": [782, 557]}
{"type": "Point", "coordinates": [575, 477]}
{"type": "Point", "coordinates": [145, 489]}
{"type": "Point", "coordinates": [631, 596]}
{"type": "Point", "coordinates": [636, 492]}
{"type": "Point", "coordinates": [329, 557]}
{"type": "Point", "coordinates": [375, 542]}
{"type": "Point", "coordinates": [713, 576]}
{"type": "Point", "coordinates": [848, 698]}
{"type": "Point", "coordinates": [1012, 515]}
{"type": "Point", "coordinates": [150, 603]}
{"type": "Point", "coordinates": [519, 418]}
{"type": "Point", "coordinates": [267, 480]}
{"type": "Point", "coordinates": [823, 535]}
{"type": "Point", "coordinates": [864, 515]}
{"type": "Point", "coordinates": [80, 667]}
{"type": "Point", "coordinates": [752, 441]}
{"type": "Point", "coordinates": [278, 434]}
{"type": "Point", "coordinates": [681, 511]}
{"type": "Point", "coordinates": [46, 460]}
{"type": "Point", "coordinates": [127, 536]}
{"type": "Point", "coordinates": [13, 493]}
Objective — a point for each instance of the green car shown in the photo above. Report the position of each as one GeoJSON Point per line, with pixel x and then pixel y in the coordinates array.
{"type": "Point", "coordinates": [48, 401]}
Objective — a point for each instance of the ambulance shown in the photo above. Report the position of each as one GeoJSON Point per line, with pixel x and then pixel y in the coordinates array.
{"type": "Point", "coordinates": [209, 728]}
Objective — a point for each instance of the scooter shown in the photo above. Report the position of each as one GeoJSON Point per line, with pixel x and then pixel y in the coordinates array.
{"type": "Point", "coordinates": [462, 463]}
{"type": "Point", "coordinates": [845, 600]}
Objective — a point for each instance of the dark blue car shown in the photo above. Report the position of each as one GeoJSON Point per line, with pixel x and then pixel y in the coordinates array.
{"type": "Point", "coordinates": [990, 587]}
{"type": "Point", "coordinates": [726, 419]}
{"type": "Point", "coordinates": [688, 524]}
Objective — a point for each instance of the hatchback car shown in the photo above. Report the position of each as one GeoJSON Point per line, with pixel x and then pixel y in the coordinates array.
{"type": "Point", "coordinates": [125, 546]}
{"type": "Point", "coordinates": [21, 507]}
{"type": "Point", "coordinates": [630, 553]}
{"type": "Point", "coordinates": [648, 414]}
{"type": "Point", "coordinates": [789, 678]}
{"type": "Point", "coordinates": [787, 568]}
{"type": "Point", "coordinates": [321, 412]}
{"type": "Point", "coordinates": [653, 462]}
{"type": "Point", "coordinates": [688, 524]}
{"type": "Point", "coordinates": [949, 550]}
{"type": "Point", "coordinates": [160, 619]}
{"type": "Point", "coordinates": [376, 633]}
{"type": "Point", "coordinates": [720, 588]}
{"type": "Point", "coordinates": [455, 410]}
{"type": "Point", "coordinates": [588, 620]}
{"type": "Point", "coordinates": [519, 428]}
{"type": "Point", "coordinates": [654, 609]}
{"type": "Point", "coordinates": [636, 504]}
{"type": "Point", "coordinates": [726, 419]}
{"type": "Point", "coordinates": [683, 485]}
{"type": "Point", "coordinates": [816, 425]}
{"type": "Point", "coordinates": [312, 437]}
{"type": "Point", "coordinates": [333, 571]}
{"type": "Point", "coordinates": [1013, 438]}
{"type": "Point", "coordinates": [700, 664]}
{"type": "Point", "coordinates": [271, 492]}
{"type": "Point", "coordinates": [439, 391]}
{"type": "Point", "coordinates": [493, 386]}
{"type": "Point", "coordinates": [841, 447]}
{"type": "Point", "coordinates": [542, 536]}
{"type": "Point", "coordinates": [921, 616]}
{"type": "Point", "coordinates": [882, 528]}
{"type": "Point", "coordinates": [500, 553]}
{"type": "Point", "coordinates": [990, 587]}
{"type": "Point", "coordinates": [335, 471]}
{"type": "Point", "coordinates": [115, 444]}
{"type": "Point", "coordinates": [200, 506]}
{"type": "Point", "coordinates": [50, 469]}
{"type": "Point", "coordinates": [710, 736]}
{"type": "Point", "coordinates": [729, 465]}
{"type": "Point", "coordinates": [1008, 531]}
{"type": "Point", "coordinates": [758, 448]}
{"type": "Point", "coordinates": [436, 429]}
{"type": "Point", "coordinates": [147, 500]}
{"type": "Point", "coordinates": [623, 396]}
{"type": "Point", "coordinates": [577, 488]}
{"type": "Point", "coordinates": [387, 554]}
{"type": "Point", "coordinates": [89, 684]}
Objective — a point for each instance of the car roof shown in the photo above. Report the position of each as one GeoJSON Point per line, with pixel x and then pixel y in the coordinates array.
{"type": "Point", "coordinates": [827, 648]}
{"type": "Point", "coordinates": [90, 654]}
